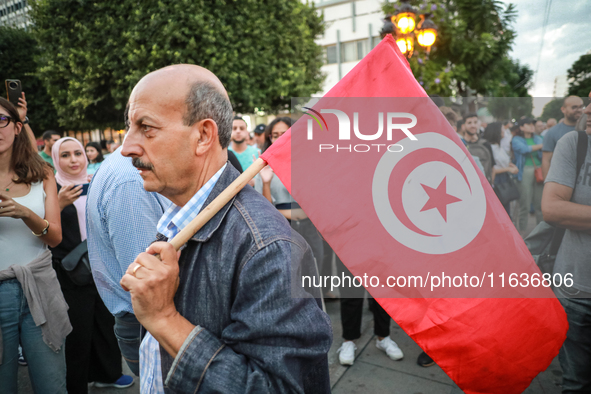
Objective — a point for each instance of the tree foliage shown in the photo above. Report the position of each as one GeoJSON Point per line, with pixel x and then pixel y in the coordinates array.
{"type": "Point", "coordinates": [474, 38]}
{"type": "Point", "coordinates": [95, 52]}
{"type": "Point", "coordinates": [552, 110]}
{"type": "Point", "coordinates": [579, 76]}
{"type": "Point", "coordinates": [17, 51]}
{"type": "Point", "coordinates": [510, 99]}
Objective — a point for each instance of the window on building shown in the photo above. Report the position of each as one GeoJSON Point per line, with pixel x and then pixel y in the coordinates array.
{"type": "Point", "coordinates": [361, 49]}
{"type": "Point", "coordinates": [331, 54]}
{"type": "Point", "coordinates": [348, 51]}
{"type": "Point", "coordinates": [376, 41]}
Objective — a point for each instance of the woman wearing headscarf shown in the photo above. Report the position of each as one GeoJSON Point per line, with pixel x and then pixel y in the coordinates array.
{"type": "Point", "coordinates": [92, 352]}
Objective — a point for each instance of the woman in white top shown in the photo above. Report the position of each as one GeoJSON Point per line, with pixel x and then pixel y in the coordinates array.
{"type": "Point", "coordinates": [503, 166]}
{"type": "Point", "coordinates": [32, 309]}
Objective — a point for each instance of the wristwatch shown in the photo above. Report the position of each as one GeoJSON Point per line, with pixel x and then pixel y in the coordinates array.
{"type": "Point", "coordinates": [26, 120]}
{"type": "Point", "coordinates": [45, 230]}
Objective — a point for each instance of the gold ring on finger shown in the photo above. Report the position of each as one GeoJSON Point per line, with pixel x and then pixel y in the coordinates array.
{"type": "Point", "coordinates": [137, 267]}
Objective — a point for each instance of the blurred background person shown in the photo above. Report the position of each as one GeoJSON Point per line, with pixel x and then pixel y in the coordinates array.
{"type": "Point", "coordinates": [49, 138]}
{"type": "Point", "coordinates": [29, 222]}
{"type": "Point", "coordinates": [245, 153]}
{"type": "Point", "coordinates": [111, 147]}
{"type": "Point", "coordinates": [95, 157]}
{"type": "Point", "coordinates": [92, 352]}
{"type": "Point", "coordinates": [503, 167]}
{"type": "Point", "coordinates": [527, 148]}
{"type": "Point", "coordinates": [460, 129]}
{"type": "Point", "coordinates": [572, 108]}
{"type": "Point", "coordinates": [478, 146]}
{"type": "Point", "coordinates": [259, 136]}
{"type": "Point", "coordinates": [540, 126]}
{"type": "Point", "coordinates": [273, 189]}
{"type": "Point", "coordinates": [505, 143]}
{"type": "Point", "coordinates": [549, 124]}
{"type": "Point", "coordinates": [117, 233]}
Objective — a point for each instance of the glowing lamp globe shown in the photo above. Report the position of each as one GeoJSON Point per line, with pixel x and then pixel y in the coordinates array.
{"type": "Point", "coordinates": [405, 22]}
{"type": "Point", "coordinates": [427, 37]}
{"type": "Point", "coordinates": [405, 45]}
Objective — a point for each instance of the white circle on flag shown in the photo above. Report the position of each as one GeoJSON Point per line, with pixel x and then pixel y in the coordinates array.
{"type": "Point", "coordinates": [443, 203]}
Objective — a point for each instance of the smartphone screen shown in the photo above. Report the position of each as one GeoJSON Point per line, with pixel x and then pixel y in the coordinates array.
{"type": "Point", "coordinates": [13, 90]}
{"type": "Point", "coordinates": [84, 189]}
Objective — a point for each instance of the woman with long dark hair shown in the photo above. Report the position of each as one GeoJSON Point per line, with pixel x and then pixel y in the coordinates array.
{"type": "Point", "coordinates": [95, 157]}
{"type": "Point", "coordinates": [503, 167]}
{"type": "Point", "coordinates": [33, 311]}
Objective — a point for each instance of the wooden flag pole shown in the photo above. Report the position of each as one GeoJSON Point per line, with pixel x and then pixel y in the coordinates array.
{"type": "Point", "coordinates": [218, 203]}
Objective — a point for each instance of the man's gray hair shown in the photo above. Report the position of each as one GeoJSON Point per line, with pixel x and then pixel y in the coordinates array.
{"type": "Point", "coordinates": [205, 101]}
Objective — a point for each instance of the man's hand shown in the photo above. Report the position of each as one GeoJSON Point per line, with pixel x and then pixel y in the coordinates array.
{"type": "Point", "coordinates": [152, 284]}
{"type": "Point", "coordinates": [22, 107]}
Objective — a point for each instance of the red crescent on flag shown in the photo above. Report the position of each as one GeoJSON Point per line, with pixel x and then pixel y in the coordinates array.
{"type": "Point", "coordinates": [404, 167]}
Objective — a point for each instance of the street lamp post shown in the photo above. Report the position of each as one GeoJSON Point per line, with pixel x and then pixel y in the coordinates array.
{"type": "Point", "coordinates": [404, 28]}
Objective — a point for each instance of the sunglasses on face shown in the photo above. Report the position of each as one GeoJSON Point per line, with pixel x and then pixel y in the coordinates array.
{"type": "Point", "coordinates": [5, 121]}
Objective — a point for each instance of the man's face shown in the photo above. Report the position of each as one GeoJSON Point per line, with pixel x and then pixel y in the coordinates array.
{"type": "Point", "coordinates": [239, 132]}
{"type": "Point", "coordinates": [49, 143]}
{"type": "Point", "coordinates": [161, 145]}
{"type": "Point", "coordinates": [260, 140]}
{"type": "Point", "coordinates": [540, 126]}
{"type": "Point", "coordinates": [572, 109]}
{"type": "Point", "coordinates": [472, 125]}
{"type": "Point", "coordinates": [551, 123]}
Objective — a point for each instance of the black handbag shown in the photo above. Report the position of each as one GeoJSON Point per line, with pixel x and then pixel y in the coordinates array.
{"type": "Point", "coordinates": [77, 265]}
{"type": "Point", "coordinates": [507, 191]}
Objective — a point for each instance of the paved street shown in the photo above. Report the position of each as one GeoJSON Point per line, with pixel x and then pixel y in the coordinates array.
{"type": "Point", "coordinates": [374, 372]}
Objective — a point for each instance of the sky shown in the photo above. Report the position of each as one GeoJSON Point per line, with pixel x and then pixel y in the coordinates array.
{"type": "Point", "coordinates": [567, 37]}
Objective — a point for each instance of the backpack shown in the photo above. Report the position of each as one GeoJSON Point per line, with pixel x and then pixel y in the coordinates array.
{"type": "Point", "coordinates": [545, 239]}
{"type": "Point", "coordinates": [480, 150]}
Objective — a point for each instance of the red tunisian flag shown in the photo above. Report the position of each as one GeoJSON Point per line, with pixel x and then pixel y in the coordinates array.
{"type": "Point", "coordinates": [496, 344]}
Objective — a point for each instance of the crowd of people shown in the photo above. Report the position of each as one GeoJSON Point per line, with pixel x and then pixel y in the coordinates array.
{"type": "Point", "coordinates": [517, 151]}
{"type": "Point", "coordinates": [81, 286]}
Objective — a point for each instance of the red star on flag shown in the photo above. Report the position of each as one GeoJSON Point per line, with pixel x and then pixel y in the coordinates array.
{"type": "Point", "coordinates": [438, 198]}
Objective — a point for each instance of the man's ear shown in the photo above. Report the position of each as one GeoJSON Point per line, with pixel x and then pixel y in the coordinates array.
{"type": "Point", "coordinates": [208, 136]}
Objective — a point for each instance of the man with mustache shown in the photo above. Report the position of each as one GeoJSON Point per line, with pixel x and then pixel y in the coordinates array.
{"type": "Point", "coordinates": [226, 313]}
{"type": "Point", "coordinates": [121, 219]}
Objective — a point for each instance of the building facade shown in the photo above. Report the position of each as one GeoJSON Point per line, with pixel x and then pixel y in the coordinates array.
{"type": "Point", "coordinates": [15, 13]}
{"type": "Point", "coordinates": [352, 30]}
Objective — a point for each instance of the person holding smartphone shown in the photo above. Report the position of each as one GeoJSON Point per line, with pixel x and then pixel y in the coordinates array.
{"type": "Point", "coordinates": [33, 311]}
{"type": "Point", "coordinates": [92, 352]}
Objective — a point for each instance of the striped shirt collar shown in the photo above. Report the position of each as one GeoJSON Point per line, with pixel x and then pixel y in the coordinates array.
{"type": "Point", "coordinates": [176, 218]}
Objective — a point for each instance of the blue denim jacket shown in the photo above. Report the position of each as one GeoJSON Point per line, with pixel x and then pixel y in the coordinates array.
{"type": "Point", "coordinates": [257, 331]}
{"type": "Point", "coordinates": [522, 150]}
